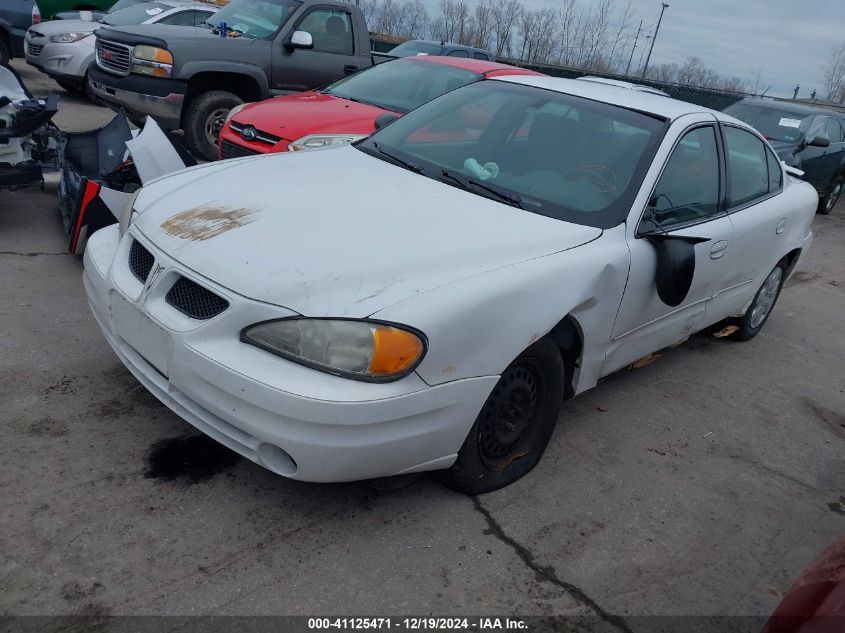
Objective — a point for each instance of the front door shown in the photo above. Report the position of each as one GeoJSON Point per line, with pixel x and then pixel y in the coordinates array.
{"type": "Point", "coordinates": [332, 57]}
{"type": "Point", "coordinates": [686, 203]}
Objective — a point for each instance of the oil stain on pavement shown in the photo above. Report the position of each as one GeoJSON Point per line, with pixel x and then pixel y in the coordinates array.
{"type": "Point", "coordinates": [189, 459]}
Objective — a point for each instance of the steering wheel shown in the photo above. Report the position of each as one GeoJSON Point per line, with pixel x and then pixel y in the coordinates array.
{"type": "Point", "coordinates": [599, 176]}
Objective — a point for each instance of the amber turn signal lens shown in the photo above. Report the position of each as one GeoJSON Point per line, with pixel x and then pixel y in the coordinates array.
{"type": "Point", "coordinates": [394, 350]}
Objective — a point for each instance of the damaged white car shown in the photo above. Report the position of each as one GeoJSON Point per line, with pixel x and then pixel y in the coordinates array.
{"type": "Point", "coordinates": [424, 299]}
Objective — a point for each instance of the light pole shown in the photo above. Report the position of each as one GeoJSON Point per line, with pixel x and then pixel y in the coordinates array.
{"type": "Point", "coordinates": [631, 58]}
{"type": "Point", "coordinates": [654, 39]}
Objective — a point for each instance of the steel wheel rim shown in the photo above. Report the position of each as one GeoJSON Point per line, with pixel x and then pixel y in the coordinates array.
{"type": "Point", "coordinates": [214, 123]}
{"type": "Point", "coordinates": [507, 423]}
{"type": "Point", "coordinates": [834, 196]}
{"type": "Point", "coordinates": [766, 297]}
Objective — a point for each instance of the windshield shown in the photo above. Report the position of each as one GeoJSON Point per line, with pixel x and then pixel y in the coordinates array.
{"type": "Point", "coordinates": [774, 124]}
{"type": "Point", "coordinates": [401, 85]}
{"type": "Point", "coordinates": [256, 19]}
{"type": "Point", "coordinates": [409, 49]}
{"type": "Point", "coordinates": [545, 152]}
{"type": "Point", "coordinates": [135, 14]}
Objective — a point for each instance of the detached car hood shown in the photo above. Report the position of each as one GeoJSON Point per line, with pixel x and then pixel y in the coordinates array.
{"type": "Point", "coordinates": [337, 232]}
{"type": "Point", "coordinates": [294, 116]}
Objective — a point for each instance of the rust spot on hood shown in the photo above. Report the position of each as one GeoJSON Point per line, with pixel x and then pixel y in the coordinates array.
{"type": "Point", "coordinates": [206, 221]}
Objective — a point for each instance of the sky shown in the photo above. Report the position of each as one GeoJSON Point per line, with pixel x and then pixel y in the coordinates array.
{"type": "Point", "coordinates": [790, 39]}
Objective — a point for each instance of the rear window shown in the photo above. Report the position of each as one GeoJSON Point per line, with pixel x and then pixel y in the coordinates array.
{"type": "Point", "coordinates": [773, 123]}
{"type": "Point", "coordinates": [409, 49]}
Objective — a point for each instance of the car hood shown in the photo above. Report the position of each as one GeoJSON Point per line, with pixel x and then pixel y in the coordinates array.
{"type": "Point", "coordinates": [65, 26]}
{"type": "Point", "coordinates": [294, 116]}
{"type": "Point", "coordinates": [337, 232]}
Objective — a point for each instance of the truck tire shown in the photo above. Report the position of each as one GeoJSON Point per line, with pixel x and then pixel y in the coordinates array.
{"type": "Point", "coordinates": [204, 120]}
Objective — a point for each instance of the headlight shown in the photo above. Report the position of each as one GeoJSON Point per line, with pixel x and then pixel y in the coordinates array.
{"type": "Point", "coordinates": [314, 141]}
{"type": "Point", "coordinates": [149, 60]}
{"type": "Point", "coordinates": [126, 215]}
{"type": "Point", "coordinates": [363, 350]}
{"type": "Point", "coordinates": [234, 111]}
{"type": "Point", "coordinates": [67, 38]}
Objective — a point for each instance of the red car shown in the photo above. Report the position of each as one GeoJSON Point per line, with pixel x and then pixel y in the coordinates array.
{"type": "Point", "coordinates": [347, 109]}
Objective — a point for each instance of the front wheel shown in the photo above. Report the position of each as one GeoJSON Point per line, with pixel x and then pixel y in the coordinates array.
{"type": "Point", "coordinates": [827, 203]}
{"type": "Point", "coordinates": [760, 309]}
{"type": "Point", "coordinates": [204, 119]}
{"type": "Point", "coordinates": [515, 424]}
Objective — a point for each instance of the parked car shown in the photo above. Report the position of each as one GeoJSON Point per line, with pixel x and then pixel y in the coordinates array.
{"type": "Point", "coordinates": [93, 15]}
{"type": "Point", "coordinates": [50, 7]}
{"type": "Point", "coordinates": [16, 16]}
{"type": "Point", "coordinates": [64, 49]}
{"type": "Point", "coordinates": [425, 47]}
{"type": "Point", "coordinates": [809, 139]}
{"type": "Point", "coordinates": [423, 299]}
{"type": "Point", "coordinates": [348, 109]}
{"type": "Point", "coordinates": [273, 47]}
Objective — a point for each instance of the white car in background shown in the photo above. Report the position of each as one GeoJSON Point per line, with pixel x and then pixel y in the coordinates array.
{"type": "Point", "coordinates": [64, 49]}
{"type": "Point", "coordinates": [423, 299]}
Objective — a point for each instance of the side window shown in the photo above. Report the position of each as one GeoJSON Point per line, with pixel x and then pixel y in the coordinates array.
{"type": "Point", "coordinates": [819, 128]}
{"type": "Point", "coordinates": [688, 189]}
{"type": "Point", "coordinates": [748, 172]}
{"type": "Point", "coordinates": [331, 30]}
{"type": "Point", "coordinates": [833, 129]}
{"type": "Point", "coordinates": [459, 53]}
{"type": "Point", "coordinates": [483, 56]}
{"type": "Point", "coordinates": [775, 171]}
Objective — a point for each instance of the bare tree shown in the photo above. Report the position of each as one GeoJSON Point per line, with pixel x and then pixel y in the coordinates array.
{"type": "Point", "coordinates": [483, 21]}
{"type": "Point", "coordinates": [505, 16]}
{"type": "Point", "coordinates": [834, 74]}
{"type": "Point", "coordinates": [417, 20]}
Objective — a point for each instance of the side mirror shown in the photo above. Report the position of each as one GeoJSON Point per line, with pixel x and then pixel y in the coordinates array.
{"type": "Point", "coordinates": [301, 39]}
{"type": "Point", "coordinates": [383, 120]}
{"type": "Point", "coordinates": [819, 141]}
{"type": "Point", "coordinates": [675, 266]}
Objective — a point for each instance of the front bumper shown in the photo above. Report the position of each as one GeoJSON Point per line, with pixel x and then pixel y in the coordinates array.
{"type": "Point", "coordinates": [140, 96]}
{"type": "Point", "coordinates": [68, 62]}
{"type": "Point", "coordinates": [298, 422]}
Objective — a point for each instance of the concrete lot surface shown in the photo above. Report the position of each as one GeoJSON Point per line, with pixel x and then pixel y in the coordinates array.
{"type": "Point", "coordinates": [702, 483]}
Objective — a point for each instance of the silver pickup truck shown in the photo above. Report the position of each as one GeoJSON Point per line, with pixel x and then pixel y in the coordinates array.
{"type": "Point", "coordinates": [190, 77]}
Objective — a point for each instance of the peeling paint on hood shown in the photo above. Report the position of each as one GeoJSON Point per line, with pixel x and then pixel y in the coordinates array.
{"type": "Point", "coordinates": [206, 221]}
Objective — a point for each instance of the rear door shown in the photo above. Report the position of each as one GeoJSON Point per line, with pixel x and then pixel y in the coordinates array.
{"type": "Point", "coordinates": [686, 205]}
{"type": "Point", "coordinates": [334, 54]}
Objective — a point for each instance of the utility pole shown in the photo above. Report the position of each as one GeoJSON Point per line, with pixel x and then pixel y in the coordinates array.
{"type": "Point", "coordinates": [654, 39]}
{"type": "Point", "coordinates": [631, 58]}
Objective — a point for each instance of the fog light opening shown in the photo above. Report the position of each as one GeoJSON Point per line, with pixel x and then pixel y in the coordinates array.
{"type": "Point", "coordinates": [277, 460]}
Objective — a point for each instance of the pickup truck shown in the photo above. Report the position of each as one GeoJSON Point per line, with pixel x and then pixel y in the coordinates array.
{"type": "Point", "coordinates": [189, 78]}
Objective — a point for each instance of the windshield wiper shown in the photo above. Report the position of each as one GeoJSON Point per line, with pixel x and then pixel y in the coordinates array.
{"type": "Point", "coordinates": [417, 169]}
{"type": "Point", "coordinates": [470, 184]}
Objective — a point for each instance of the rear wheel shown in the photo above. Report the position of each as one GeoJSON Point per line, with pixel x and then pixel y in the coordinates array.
{"type": "Point", "coordinates": [515, 424]}
{"type": "Point", "coordinates": [204, 120]}
{"type": "Point", "coordinates": [827, 203]}
{"type": "Point", "coordinates": [761, 308]}
{"type": "Point", "coordinates": [69, 86]}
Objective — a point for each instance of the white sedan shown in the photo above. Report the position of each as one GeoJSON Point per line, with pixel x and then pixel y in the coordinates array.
{"type": "Point", "coordinates": [424, 299]}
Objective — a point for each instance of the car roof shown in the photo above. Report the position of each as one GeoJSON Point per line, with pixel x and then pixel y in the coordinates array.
{"type": "Point", "coordinates": [178, 4]}
{"type": "Point", "coordinates": [448, 45]}
{"type": "Point", "coordinates": [658, 105]}
{"type": "Point", "coordinates": [787, 106]}
{"type": "Point", "coordinates": [480, 66]}
{"type": "Point", "coordinates": [624, 84]}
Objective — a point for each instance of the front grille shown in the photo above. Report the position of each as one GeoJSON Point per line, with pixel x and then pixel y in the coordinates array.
{"type": "Point", "coordinates": [230, 150]}
{"type": "Point", "coordinates": [140, 261]}
{"type": "Point", "coordinates": [34, 50]}
{"type": "Point", "coordinates": [195, 301]}
{"type": "Point", "coordinates": [113, 57]}
{"type": "Point", "coordinates": [258, 135]}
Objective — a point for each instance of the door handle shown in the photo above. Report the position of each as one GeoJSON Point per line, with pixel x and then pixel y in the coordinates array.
{"type": "Point", "coordinates": [781, 226]}
{"type": "Point", "coordinates": [350, 68]}
{"type": "Point", "coordinates": [718, 249]}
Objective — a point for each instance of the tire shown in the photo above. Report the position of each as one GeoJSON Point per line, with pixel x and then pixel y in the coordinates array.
{"type": "Point", "coordinates": [515, 424]}
{"type": "Point", "coordinates": [764, 302]}
{"type": "Point", "coordinates": [204, 118]}
{"type": "Point", "coordinates": [5, 55]}
{"type": "Point", "coordinates": [69, 86]}
{"type": "Point", "coordinates": [827, 203]}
